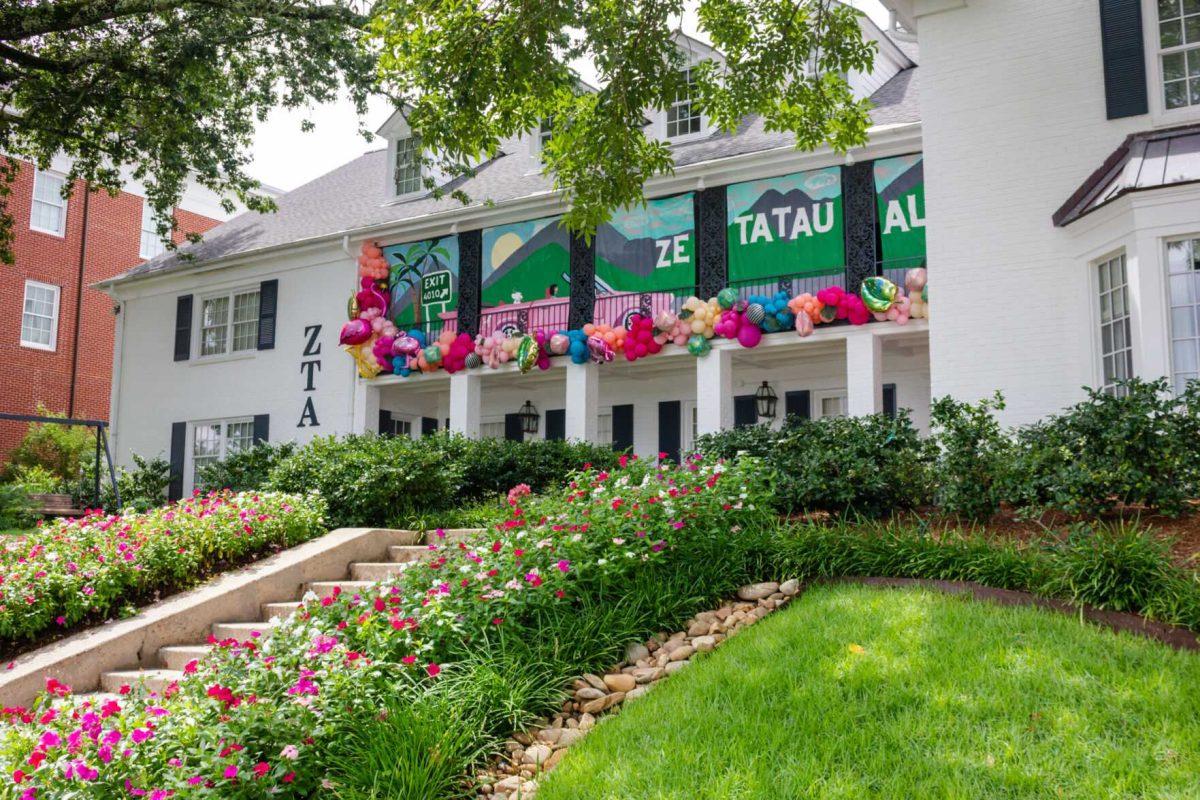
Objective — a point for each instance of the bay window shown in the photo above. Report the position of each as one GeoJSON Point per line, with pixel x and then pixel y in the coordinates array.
{"type": "Point", "coordinates": [1116, 343]}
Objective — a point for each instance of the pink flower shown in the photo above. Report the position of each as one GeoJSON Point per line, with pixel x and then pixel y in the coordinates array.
{"type": "Point", "coordinates": [231, 772]}
{"type": "Point", "coordinates": [433, 670]}
{"type": "Point", "coordinates": [564, 566]}
{"type": "Point", "coordinates": [290, 752]}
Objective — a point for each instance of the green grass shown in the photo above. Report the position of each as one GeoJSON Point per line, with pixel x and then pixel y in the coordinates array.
{"type": "Point", "coordinates": [857, 692]}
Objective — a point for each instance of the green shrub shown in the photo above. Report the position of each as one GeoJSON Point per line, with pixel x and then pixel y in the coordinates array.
{"type": "Point", "coordinates": [1141, 447]}
{"type": "Point", "coordinates": [871, 465]}
{"type": "Point", "coordinates": [244, 471]}
{"type": "Point", "coordinates": [16, 511]}
{"type": "Point", "coordinates": [61, 449]}
{"type": "Point", "coordinates": [142, 488]}
{"type": "Point", "coordinates": [973, 455]}
{"type": "Point", "coordinates": [36, 479]}
{"type": "Point", "coordinates": [369, 479]}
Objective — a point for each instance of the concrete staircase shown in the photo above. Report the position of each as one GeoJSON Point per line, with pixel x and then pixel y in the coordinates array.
{"type": "Point", "coordinates": [357, 578]}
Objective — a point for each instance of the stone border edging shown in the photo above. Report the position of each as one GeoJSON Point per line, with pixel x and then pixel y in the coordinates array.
{"type": "Point", "coordinates": [237, 596]}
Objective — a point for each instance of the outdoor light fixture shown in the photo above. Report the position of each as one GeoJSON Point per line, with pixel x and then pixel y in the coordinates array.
{"type": "Point", "coordinates": [765, 400]}
{"type": "Point", "coordinates": [529, 418]}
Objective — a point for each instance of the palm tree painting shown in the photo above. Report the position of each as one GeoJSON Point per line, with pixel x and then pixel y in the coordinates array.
{"type": "Point", "coordinates": [410, 263]}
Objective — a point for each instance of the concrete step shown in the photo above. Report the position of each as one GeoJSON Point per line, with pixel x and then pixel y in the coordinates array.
{"type": "Point", "coordinates": [243, 631]}
{"type": "Point", "coordinates": [400, 552]}
{"type": "Point", "coordinates": [282, 610]}
{"type": "Point", "coordinates": [149, 680]}
{"type": "Point", "coordinates": [453, 535]}
{"type": "Point", "coordinates": [325, 588]}
{"type": "Point", "coordinates": [377, 570]}
{"type": "Point", "coordinates": [177, 656]}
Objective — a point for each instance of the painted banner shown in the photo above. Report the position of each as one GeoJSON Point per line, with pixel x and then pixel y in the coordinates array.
{"type": "Point", "coordinates": [648, 248]}
{"type": "Point", "coordinates": [790, 225]}
{"type": "Point", "coordinates": [525, 262]}
{"type": "Point", "coordinates": [423, 280]}
{"type": "Point", "coordinates": [900, 201]}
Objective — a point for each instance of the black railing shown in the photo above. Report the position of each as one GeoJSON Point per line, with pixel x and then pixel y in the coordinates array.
{"type": "Point", "coordinates": [894, 269]}
{"type": "Point", "coordinates": [101, 444]}
{"type": "Point", "coordinates": [792, 284]}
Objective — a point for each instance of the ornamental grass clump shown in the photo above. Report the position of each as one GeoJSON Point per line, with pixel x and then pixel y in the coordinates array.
{"type": "Point", "coordinates": [261, 719]}
{"type": "Point", "coordinates": [90, 569]}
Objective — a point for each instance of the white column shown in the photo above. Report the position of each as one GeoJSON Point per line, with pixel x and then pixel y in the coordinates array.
{"type": "Point", "coordinates": [1147, 280]}
{"type": "Point", "coordinates": [466, 403]}
{"type": "Point", "coordinates": [714, 391]}
{"type": "Point", "coordinates": [366, 407]}
{"type": "Point", "coordinates": [864, 373]}
{"type": "Point", "coordinates": [583, 400]}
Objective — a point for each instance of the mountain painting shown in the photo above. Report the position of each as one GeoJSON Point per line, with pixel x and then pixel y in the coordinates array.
{"type": "Point", "coordinates": [790, 225]}
{"type": "Point", "coordinates": [648, 248]}
{"type": "Point", "coordinates": [528, 260]}
{"type": "Point", "coordinates": [422, 280]}
{"type": "Point", "coordinates": [900, 201]}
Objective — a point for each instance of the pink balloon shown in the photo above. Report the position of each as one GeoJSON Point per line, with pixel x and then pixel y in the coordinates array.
{"type": "Point", "coordinates": [749, 335]}
{"type": "Point", "coordinates": [356, 331]}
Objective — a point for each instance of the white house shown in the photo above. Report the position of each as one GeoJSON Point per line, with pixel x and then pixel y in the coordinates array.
{"type": "Point", "coordinates": [1057, 257]}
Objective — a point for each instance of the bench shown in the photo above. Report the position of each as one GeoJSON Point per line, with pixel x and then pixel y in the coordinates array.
{"type": "Point", "coordinates": [55, 505]}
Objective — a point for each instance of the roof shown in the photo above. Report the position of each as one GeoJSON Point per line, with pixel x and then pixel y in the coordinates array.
{"type": "Point", "coordinates": [1146, 160]}
{"type": "Point", "coordinates": [353, 196]}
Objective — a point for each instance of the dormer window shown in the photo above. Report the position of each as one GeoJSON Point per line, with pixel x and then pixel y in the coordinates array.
{"type": "Point", "coordinates": [545, 132]}
{"type": "Point", "coordinates": [683, 118]}
{"type": "Point", "coordinates": [408, 166]}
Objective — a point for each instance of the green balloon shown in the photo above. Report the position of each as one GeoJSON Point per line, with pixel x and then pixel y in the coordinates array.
{"type": "Point", "coordinates": [727, 297]}
{"type": "Point", "coordinates": [433, 354]}
{"type": "Point", "coordinates": [527, 354]}
{"type": "Point", "coordinates": [697, 345]}
{"type": "Point", "coordinates": [878, 294]}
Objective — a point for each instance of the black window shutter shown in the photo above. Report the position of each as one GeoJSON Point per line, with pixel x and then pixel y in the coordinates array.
{"type": "Point", "coordinates": [622, 427]}
{"type": "Point", "coordinates": [428, 425]}
{"type": "Point", "coordinates": [798, 404]}
{"type": "Point", "coordinates": [556, 424]}
{"type": "Point", "coordinates": [183, 327]}
{"type": "Point", "coordinates": [889, 399]}
{"type": "Point", "coordinates": [512, 428]}
{"type": "Point", "coordinates": [262, 428]}
{"type": "Point", "coordinates": [385, 423]}
{"type": "Point", "coordinates": [744, 411]}
{"type": "Point", "coordinates": [178, 445]}
{"type": "Point", "coordinates": [268, 305]}
{"type": "Point", "coordinates": [1124, 55]}
{"type": "Point", "coordinates": [670, 428]}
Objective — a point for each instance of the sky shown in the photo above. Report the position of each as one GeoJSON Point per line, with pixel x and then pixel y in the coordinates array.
{"type": "Point", "coordinates": [285, 157]}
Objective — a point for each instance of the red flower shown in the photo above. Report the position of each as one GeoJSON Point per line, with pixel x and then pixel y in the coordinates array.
{"type": "Point", "coordinates": [433, 670]}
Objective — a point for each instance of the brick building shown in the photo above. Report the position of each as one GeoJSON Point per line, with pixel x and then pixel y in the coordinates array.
{"type": "Point", "coordinates": [56, 331]}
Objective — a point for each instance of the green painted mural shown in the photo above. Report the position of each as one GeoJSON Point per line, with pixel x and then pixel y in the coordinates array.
{"type": "Point", "coordinates": [900, 201]}
{"type": "Point", "coordinates": [648, 248]}
{"type": "Point", "coordinates": [790, 225]}
{"type": "Point", "coordinates": [422, 280]}
{"type": "Point", "coordinates": [525, 262]}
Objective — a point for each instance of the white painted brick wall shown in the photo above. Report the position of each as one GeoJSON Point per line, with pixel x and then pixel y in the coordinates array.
{"type": "Point", "coordinates": [1012, 98]}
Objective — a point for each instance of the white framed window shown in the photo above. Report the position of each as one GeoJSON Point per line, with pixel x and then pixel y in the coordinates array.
{"type": "Point", "coordinates": [402, 426]}
{"type": "Point", "coordinates": [407, 167]}
{"type": "Point", "coordinates": [217, 439]}
{"type": "Point", "coordinates": [604, 431]}
{"type": "Point", "coordinates": [1178, 53]}
{"type": "Point", "coordinates": [39, 316]}
{"type": "Point", "coordinates": [229, 323]}
{"type": "Point", "coordinates": [151, 244]}
{"type": "Point", "coordinates": [683, 118]}
{"type": "Point", "coordinates": [491, 429]}
{"type": "Point", "coordinates": [48, 212]}
{"type": "Point", "coordinates": [691, 428]}
{"type": "Point", "coordinates": [1116, 345]}
{"type": "Point", "coordinates": [1183, 290]}
{"type": "Point", "coordinates": [831, 405]}
{"type": "Point", "coordinates": [545, 132]}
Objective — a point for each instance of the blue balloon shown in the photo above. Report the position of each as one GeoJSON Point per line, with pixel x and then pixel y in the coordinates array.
{"type": "Point", "coordinates": [419, 335]}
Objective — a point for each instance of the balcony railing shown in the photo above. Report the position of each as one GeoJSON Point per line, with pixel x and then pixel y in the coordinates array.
{"type": "Point", "coordinates": [617, 308]}
{"type": "Point", "coordinates": [894, 269]}
{"type": "Point", "coordinates": [792, 284]}
{"type": "Point", "coordinates": [551, 314]}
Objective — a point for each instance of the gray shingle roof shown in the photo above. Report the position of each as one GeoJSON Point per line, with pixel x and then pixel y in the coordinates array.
{"type": "Point", "coordinates": [353, 197]}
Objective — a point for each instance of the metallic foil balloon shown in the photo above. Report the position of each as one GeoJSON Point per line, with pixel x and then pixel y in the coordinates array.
{"type": "Point", "coordinates": [527, 354]}
{"type": "Point", "coordinates": [878, 294]}
{"type": "Point", "coordinates": [433, 354]}
{"type": "Point", "coordinates": [406, 345]}
{"type": "Point", "coordinates": [356, 331]}
{"type": "Point", "coordinates": [368, 367]}
{"type": "Point", "coordinates": [697, 345]}
{"type": "Point", "coordinates": [666, 320]}
{"type": "Point", "coordinates": [473, 361]}
{"type": "Point", "coordinates": [804, 325]}
{"type": "Point", "coordinates": [600, 350]}
{"type": "Point", "coordinates": [915, 279]}
{"type": "Point", "coordinates": [755, 314]}
{"type": "Point", "coordinates": [559, 344]}
{"type": "Point", "coordinates": [352, 308]}
{"type": "Point", "coordinates": [727, 297]}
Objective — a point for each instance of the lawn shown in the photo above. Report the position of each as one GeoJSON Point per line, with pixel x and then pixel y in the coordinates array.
{"type": "Point", "coordinates": [858, 692]}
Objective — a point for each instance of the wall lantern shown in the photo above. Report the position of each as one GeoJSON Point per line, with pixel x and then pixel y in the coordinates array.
{"type": "Point", "coordinates": [765, 401]}
{"type": "Point", "coordinates": [529, 418]}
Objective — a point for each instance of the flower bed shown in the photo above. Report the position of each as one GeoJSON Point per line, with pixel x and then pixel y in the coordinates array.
{"type": "Point", "coordinates": [257, 719]}
{"type": "Point", "coordinates": [92, 568]}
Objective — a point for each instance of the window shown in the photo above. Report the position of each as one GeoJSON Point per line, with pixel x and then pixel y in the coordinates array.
{"type": "Point", "coordinates": [219, 439]}
{"type": "Point", "coordinates": [833, 406]}
{"type": "Point", "coordinates": [48, 213]}
{"type": "Point", "coordinates": [545, 132]}
{"type": "Point", "coordinates": [492, 430]}
{"type": "Point", "coordinates": [1116, 347]}
{"type": "Point", "coordinates": [1179, 52]}
{"type": "Point", "coordinates": [604, 431]}
{"type": "Point", "coordinates": [152, 245]}
{"type": "Point", "coordinates": [229, 323]}
{"type": "Point", "coordinates": [402, 427]}
{"type": "Point", "coordinates": [1183, 276]}
{"type": "Point", "coordinates": [691, 428]}
{"type": "Point", "coordinates": [39, 316]}
{"type": "Point", "coordinates": [682, 117]}
{"type": "Point", "coordinates": [408, 166]}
